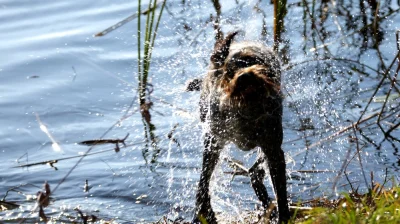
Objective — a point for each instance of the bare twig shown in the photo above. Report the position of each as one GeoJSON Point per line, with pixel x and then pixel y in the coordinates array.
{"type": "Point", "coordinates": [379, 85]}
{"type": "Point", "coordinates": [343, 130]}
{"type": "Point", "coordinates": [393, 128]}
{"type": "Point", "coordinates": [359, 156]}
{"type": "Point", "coordinates": [72, 157]}
{"type": "Point", "coordinates": [124, 21]}
{"type": "Point", "coordinates": [384, 181]}
{"type": "Point", "coordinates": [348, 181]}
{"type": "Point", "coordinates": [347, 128]}
{"type": "Point", "coordinates": [110, 168]}
{"type": "Point", "coordinates": [393, 81]}
{"type": "Point", "coordinates": [19, 192]}
{"type": "Point", "coordinates": [375, 34]}
{"type": "Point", "coordinates": [314, 28]}
{"type": "Point", "coordinates": [342, 169]}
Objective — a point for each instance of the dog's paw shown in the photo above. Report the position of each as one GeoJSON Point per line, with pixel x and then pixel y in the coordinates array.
{"type": "Point", "coordinates": [198, 219]}
{"type": "Point", "coordinates": [205, 219]}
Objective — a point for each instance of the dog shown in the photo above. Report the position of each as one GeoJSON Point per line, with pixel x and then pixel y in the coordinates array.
{"type": "Point", "coordinates": [241, 102]}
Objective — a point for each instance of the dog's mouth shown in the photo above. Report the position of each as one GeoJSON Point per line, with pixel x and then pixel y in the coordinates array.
{"type": "Point", "coordinates": [250, 86]}
{"type": "Point", "coordinates": [246, 84]}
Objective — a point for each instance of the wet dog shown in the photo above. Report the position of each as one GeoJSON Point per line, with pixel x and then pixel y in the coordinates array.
{"type": "Point", "coordinates": [241, 102]}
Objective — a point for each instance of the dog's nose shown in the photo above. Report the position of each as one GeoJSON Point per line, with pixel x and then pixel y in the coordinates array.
{"type": "Point", "coordinates": [245, 78]}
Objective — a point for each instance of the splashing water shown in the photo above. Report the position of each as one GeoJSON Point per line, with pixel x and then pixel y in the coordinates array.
{"type": "Point", "coordinates": [331, 68]}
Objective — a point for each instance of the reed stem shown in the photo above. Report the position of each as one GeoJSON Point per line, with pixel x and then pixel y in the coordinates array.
{"type": "Point", "coordinates": [279, 15]}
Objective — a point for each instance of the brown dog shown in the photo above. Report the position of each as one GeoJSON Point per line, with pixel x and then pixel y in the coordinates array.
{"type": "Point", "coordinates": [241, 102]}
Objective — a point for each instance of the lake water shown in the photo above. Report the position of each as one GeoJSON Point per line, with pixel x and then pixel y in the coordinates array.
{"type": "Point", "coordinates": [79, 86]}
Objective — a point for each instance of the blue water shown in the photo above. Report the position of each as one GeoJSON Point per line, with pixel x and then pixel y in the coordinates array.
{"type": "Point", "coordinates": [80, 85]}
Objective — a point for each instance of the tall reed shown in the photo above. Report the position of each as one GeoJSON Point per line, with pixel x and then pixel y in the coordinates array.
{"type": "Point", "coordinates": [150, 35]}
{"type": "Point", "coordinates": [279, 15]}
{"type": "Point", "coordinates": [144, 62]}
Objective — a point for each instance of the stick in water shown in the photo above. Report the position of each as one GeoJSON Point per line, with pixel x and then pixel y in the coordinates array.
{"type": "Point", "coordinates": [106, 141]}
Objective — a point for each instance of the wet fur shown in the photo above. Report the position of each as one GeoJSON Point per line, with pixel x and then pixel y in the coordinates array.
{"type": "Point", "coordinates": [241, 102]}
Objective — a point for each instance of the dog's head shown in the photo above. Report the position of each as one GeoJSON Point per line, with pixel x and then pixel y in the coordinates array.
{"type": "Point", "coordinates": [247, 72]}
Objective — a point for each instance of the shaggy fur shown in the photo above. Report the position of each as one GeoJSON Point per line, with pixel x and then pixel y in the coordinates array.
{"type": "Point", "coordinates": [241, 102]}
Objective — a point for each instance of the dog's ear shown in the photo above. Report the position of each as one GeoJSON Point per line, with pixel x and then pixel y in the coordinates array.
{"type": "Point", "coordinates": [221, 50]}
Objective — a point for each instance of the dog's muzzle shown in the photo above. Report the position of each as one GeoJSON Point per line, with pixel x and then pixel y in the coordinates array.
{"type": "Point", "coordinates": [247, 85]}
{"type": "Point", "coordinates": [245, 80]}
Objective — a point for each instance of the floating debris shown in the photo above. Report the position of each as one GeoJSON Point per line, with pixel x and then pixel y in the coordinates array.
{"type": "Point", "coordinates": [43, 200]}
{"type": "Point", "coordinates": [86, 187]}
{"type": "Point", "coordinates": [106, 141]}
{"type": "Point", "coordinates": [5, 205]}
{"type": "Point", "coordinates": [85, 218]}
{"type": "Point", "coordinates": [33, 77]}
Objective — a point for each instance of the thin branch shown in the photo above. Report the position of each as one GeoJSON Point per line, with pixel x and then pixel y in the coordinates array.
{"type": "Point", "coordinates": [343, 130]}
{"type": "Point", "coordinates": [379, 85]}
{"type": "Point", "coordinates": [53, 161]}
{"type": "Point", "coordinates": [125, 21]}
{"type": "Point", "coordinates": [342, 169]}
{"type": "Point", "coordinates": [359, 156]}
{"type": "Point", "coordinates": [387, 97]}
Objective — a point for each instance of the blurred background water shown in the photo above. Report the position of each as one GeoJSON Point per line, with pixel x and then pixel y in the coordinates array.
{"type": "Point", "coordinates": [80, 85]}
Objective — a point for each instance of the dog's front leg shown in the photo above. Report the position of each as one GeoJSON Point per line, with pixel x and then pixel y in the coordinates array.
{"type": "Point", "coordinates": [203, 201]}
{"type": "Point", "coordinates": [257, 175]}
{"type": "Point", "coordinates": [277, 169]}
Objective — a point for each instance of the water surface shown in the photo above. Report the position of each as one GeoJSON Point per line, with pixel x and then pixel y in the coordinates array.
{"type": "Point", "coordinates": [80, 85]}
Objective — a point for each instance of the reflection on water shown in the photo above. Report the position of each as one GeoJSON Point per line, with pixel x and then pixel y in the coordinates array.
{"type": "Point", "coordinates": [341, 104]}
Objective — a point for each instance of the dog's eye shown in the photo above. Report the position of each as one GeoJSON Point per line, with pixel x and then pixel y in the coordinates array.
{"type": "Point", "coordinates": [241, 63]}
{"type": "Point", "coordinates": [244, 62]}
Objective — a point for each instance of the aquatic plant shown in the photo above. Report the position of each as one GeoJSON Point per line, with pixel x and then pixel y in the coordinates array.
{"type": "Point", "coordinates": [280, 11]}
{"type": "Point", "coordinates": [144, 62]}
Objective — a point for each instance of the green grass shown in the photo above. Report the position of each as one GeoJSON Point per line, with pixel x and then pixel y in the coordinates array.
{"type": "Point", "coordinates": [377, 206]}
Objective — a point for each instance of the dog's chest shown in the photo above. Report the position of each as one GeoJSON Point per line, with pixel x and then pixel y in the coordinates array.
{"type": "Point", "coordinates": [245, 132]}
